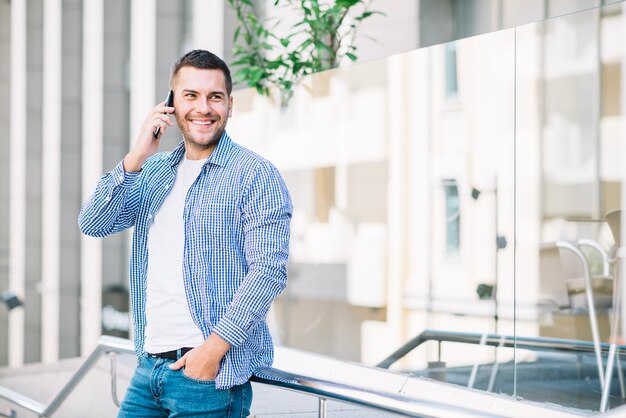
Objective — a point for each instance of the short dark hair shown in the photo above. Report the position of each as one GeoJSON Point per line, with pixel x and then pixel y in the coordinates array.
{"type": "Point", "coordinates": [204, 60]}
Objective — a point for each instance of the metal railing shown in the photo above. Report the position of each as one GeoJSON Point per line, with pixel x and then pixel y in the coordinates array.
{"type": "Point", "coordinates": [324, 390]}
{"type": "Point", "coordinates": [495, 340]}
{"type": "Point", "coordinates": [374, 399]}
{"type": "Point", "coordinates": [106, 345]}
{"type": "Point", "coordinates": [529, 343]}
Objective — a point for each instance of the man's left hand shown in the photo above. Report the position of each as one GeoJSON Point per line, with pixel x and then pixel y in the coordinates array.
{"type": "Point", "coordinates": [203, 362]}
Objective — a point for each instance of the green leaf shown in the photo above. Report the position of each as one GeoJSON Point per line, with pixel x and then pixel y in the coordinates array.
{"type": "Point", "coordinates": [347, 3]}
{"type": "Point", "coordinates": [365, 15]}
{"type": "Point", "coordinates": [305, 43]}
{"type": "Point", "coordinates": [351, 56]}
{"type": "Point", "coordinates": [256, 74]}
{"type": "Point", "coordinates": [369, 13]}
{"type": "Point", "coordinates": [319, 45]}
{"type": "Point", "coordinates": [272, 65]}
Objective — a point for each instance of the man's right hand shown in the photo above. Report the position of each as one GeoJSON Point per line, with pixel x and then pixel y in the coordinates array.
{"type": "Point", "coordinates": [146, 144]}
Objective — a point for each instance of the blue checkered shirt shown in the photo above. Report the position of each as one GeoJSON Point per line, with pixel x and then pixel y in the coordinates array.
{"type": "Point", "coordinates": [236, 218]}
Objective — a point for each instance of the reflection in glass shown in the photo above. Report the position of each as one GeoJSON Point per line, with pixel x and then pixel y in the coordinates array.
{"type": "Point", "coordinates": [385, 161]}
{"type": "Point", "coordinates": [453, 216]}
{"type": "Point", "coordinates": [460, 189]}
{"type": "Point", "coordinates": [568, 120]}
{"type": "Point", "coordinates": [452, 88]}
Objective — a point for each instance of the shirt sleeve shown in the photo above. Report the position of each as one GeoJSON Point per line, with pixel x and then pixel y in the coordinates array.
{"type": "Point", "coordinates": [266, 216]}
{"type": "Point", "coordinates": [113, 205]}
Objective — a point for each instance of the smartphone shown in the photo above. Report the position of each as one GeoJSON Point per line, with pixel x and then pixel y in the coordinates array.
{"type": "Point", "coordinates": [169, 102]}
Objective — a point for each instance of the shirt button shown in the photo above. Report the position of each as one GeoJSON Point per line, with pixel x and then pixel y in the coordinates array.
{"type": "Point", "coordinates": [120, 178]}
{"type": "Point", "coordinates": [167, 186]}
{"type": "Point", "coordinates": [149, 216]}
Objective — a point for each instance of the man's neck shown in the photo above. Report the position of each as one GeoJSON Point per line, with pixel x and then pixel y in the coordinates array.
{"type": "Point", "coordinates": [193, 152]}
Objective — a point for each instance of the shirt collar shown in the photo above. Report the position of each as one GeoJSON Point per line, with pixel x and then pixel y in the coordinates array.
{"type": "Point", "coordinates": [177, 153]}
{"type": "Point", "coordinates": [219, 156]}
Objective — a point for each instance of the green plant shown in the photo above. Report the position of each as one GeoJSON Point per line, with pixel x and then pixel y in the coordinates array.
{"type": "Point", "coordinates": [324, 35]}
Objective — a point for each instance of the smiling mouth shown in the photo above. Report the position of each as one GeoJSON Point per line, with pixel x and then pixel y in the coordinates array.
{"type": "Point", "coordinates": [203, 122]}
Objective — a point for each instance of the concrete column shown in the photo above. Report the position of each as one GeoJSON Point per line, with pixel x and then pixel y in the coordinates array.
{"type": "Point", "coordinates": [17, 185]}
{"type": "Point", "coordinates": [420, 191]}
{"type": "Point", "coordinates": [5, 88]}
{"type": "Point", "coordinates": [622, 250]}
{"type": "Point", "coordinates": [51, 180]}
{"type": "Point", "coordinates": [142, 62]}
{"type": "Point", "coordinates": [397, 210]}
{"type": "Point", "coordinates": [91, 169]}
{"type": "Point", "coordinates": [208, 25]}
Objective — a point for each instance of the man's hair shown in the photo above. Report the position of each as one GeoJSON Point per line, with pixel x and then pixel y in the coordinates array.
{"type": "Point", "coordinates": [203, 60]}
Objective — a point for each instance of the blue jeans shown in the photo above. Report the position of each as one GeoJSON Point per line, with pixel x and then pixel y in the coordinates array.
{"type": "Point", "coordinates": [157, 391]}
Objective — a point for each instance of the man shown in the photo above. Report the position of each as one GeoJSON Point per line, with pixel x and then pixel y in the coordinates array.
{"type": "Point", "coordinates": [209, 253]}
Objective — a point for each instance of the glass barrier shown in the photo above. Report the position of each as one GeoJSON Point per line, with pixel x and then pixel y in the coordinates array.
{"type": "Point", "coordinates": [569, 177]}
{"type": "Point", "coordinates": [401, 173]}
{"type": "Point", "coordinates": [460, 188]}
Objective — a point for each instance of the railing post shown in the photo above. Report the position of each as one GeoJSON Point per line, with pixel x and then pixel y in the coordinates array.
{"type": "Point", "coordinates": [113, 357]}
{"type": "Point", "coordinates": [321, 410]}
{"type": "Point", "coordinates": [439, 350]}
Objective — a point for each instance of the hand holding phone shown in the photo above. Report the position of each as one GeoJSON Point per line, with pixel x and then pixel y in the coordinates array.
{"type": "Point", "coordinates": [169, 102]}
{"type": "Point", "coordinates": [147, 145]}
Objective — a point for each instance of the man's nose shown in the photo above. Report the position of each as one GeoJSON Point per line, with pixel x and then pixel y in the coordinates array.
{"type": "Point", "coordinates": [204, 106]}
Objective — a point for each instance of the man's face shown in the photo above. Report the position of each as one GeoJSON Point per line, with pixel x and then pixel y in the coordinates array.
{"type": "Point", "coordinates": [202, 107]}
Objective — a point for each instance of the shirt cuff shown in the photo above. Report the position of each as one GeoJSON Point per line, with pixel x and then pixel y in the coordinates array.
{"type": "Point", "coordinates": [123, 178]}
{"type": "Point", "coordinates": [230, 332]}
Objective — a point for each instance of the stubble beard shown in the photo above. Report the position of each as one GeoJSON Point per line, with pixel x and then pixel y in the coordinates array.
{"type": "Point", "coordinates": [190, 141]}
{"type": "Point", "coordinates": [215, 139]}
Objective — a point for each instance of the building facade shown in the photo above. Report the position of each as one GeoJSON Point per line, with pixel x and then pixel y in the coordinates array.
{"type": "Point", "coordinates": [79, 76]}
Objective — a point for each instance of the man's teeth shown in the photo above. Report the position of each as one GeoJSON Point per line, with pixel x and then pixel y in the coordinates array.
{"type": "Point", "coordinates": [197, 122]}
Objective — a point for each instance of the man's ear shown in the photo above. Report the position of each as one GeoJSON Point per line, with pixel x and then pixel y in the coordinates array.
{"type": "Point", "coordinates": [230, 107]}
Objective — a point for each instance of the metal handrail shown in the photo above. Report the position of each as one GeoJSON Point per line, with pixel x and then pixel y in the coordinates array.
{"type": "Point", "coordinates": [386, 401]}
{"type": "Point", "coordinates": [395, 402]}
{"type": "Point", "coordinates": [495, 340]}
{"type": "Point", "coordinates": [106, 345]}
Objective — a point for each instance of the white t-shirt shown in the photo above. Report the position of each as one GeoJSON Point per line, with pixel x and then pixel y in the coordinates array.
{"type": "Point", "coordinates": [169, 325]}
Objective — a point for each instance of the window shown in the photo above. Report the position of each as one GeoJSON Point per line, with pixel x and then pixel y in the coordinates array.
{"type": "Point", "coordinates": [453, 216]}
{"type": "Point", "coordinates": [452, 88]}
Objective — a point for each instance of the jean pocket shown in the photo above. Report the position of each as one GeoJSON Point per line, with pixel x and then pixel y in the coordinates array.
{"type": "Point", "coordinates": [193, 379]}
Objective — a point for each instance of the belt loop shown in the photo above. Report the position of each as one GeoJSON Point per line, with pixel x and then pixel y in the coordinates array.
{"type": "Point", "coordinates": [178, 353]}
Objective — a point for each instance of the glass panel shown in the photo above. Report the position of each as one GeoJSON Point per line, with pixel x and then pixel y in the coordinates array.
{"type": "Point", "coordinates": [443, 193]}
{"type": "Point", "coordinates": [401, 174]}
{"type": "Point", "coordinates": [570, 159]}
{"type": "Point", "coordinates": [460, 281]}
